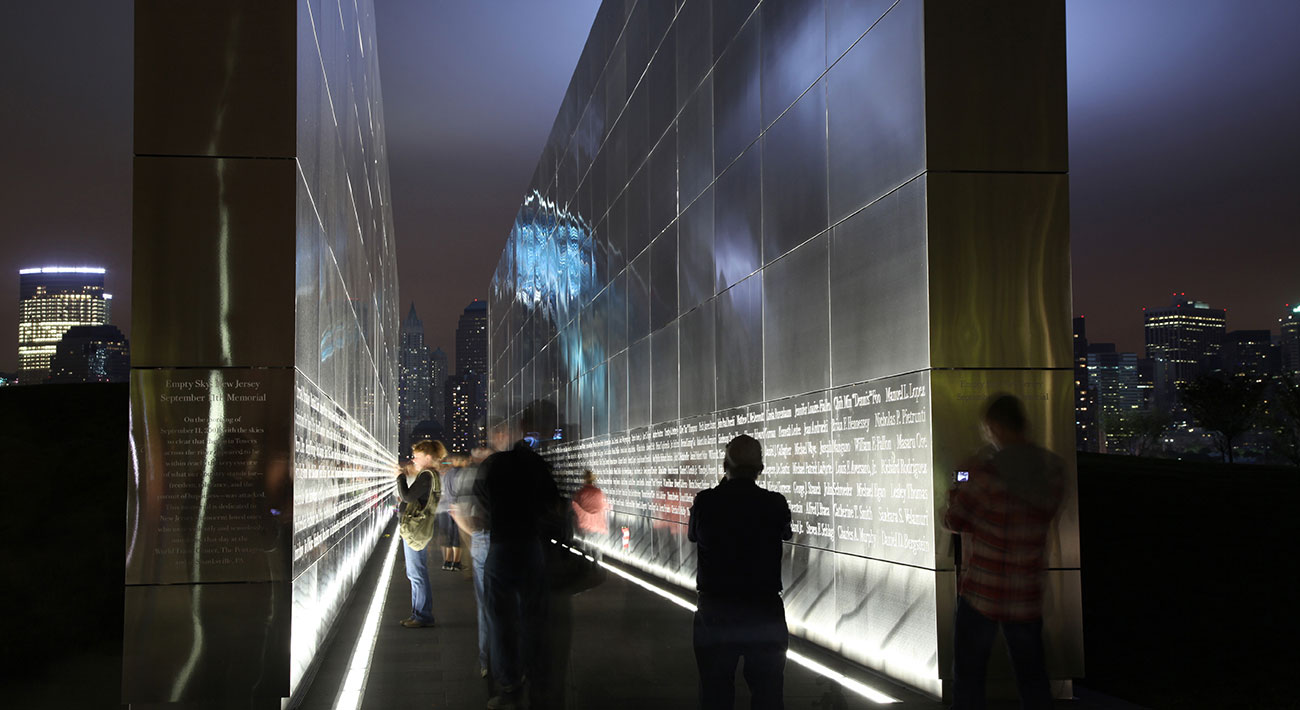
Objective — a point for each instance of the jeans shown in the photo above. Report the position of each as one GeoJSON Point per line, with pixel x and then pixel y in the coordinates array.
{"type": "Point", "coordinates": [417, 570]}
{"type": "Point", "coordinates": [478, 552]}
{"type": "Point", "coordinates": [515, 580]}
{"type": "Point", "coordinates": [973, 640]}
{"type": "Point", "coordinates": [726, 629]}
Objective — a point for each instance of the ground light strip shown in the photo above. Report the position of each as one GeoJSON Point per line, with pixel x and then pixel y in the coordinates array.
{"type": "Point", "coordinates": [846, 682]}
{"type": "Point", "coordinates": [354, 683]}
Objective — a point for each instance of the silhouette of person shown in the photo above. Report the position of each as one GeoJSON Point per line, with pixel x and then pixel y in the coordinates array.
{"type": "Point", "coordinates": [590, 509]}
{"type": "Point", "coordinates": [1003, 513]}
{"type": "Point", "coordinates": [467, 513]}
{"type": "Point", "coordinates": [739, 528]}
{"type": "Point", "coordinates": [521, 505]}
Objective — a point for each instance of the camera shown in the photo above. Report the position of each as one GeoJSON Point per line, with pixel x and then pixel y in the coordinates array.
{"type": "Point", "coordinates": [960, 476]}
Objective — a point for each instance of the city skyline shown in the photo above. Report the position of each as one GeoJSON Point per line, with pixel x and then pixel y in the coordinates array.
{"type": "Point", "coordinates": [1178, 178]}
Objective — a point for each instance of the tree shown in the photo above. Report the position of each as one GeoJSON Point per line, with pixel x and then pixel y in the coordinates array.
{"type": "Point", "coordinates": [1137, 431]}
{"type": "Point", "coordinates": [1226, 406]}
{"type": "Point", "coordinates": [1284, 419]}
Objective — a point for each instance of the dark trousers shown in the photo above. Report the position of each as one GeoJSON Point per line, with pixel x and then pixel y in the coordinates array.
{"type": "Point", "coordinates": [973, 640]}
{"type": "Point", "coordinates": [515, 585]}
{"type": "Point", "coordinates": [727, 629]}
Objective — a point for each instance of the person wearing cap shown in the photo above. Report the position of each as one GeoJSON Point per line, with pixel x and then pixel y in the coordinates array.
{"type": "Point", "coordinates": [739, 529]}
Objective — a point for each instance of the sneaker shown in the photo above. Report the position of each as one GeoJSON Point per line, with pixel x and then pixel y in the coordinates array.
{"type": "Point", "coordinates": [446, 566]}
{"type": "Point", "coordinates": [482, 671]}
{"type": "Point", "coordinates": [457, 567]}
{"type": "Point", "coordinates": [414, 623]}
{"type": "Point", "coordinates": [508, 699]}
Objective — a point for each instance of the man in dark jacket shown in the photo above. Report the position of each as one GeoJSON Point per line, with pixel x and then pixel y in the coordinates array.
{"type": "Point", "coordinates": [520, 504]}
{"type": "Point", "coordinates": [739, 528]}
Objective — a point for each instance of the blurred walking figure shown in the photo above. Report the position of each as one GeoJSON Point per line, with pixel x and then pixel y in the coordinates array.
{"type": "Point", "coordinates": [521, 504]}
{"type": "Point", "coordinates": [739, 528]}
{"type": "Point", "coordinates": [590, 509]}
{"type": "Point", "coordinates": [419, 485]}
{"type": "Point", "coordinates": [1004, 513]}
{"type": "Point", "coordinates": [447, 531]}
{"type": "Point", "coordinates": [472, 519]}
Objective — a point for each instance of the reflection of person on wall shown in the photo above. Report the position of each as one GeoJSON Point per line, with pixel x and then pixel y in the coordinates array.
{"type": "Point", "coordinates": [739, 528]}
{"type": "Point", "coordinates": [1004, 513]}
{"type": "Point", "coordinates": [591, 509]}
{"type": "Point", "coordinates": [471, 518]}
{"type": "Point", "coordinates": [419, 488]}
{"type": "Point", "coordinates": [447, 532]}
{"type": "Point", "coordinates": [522, 504]}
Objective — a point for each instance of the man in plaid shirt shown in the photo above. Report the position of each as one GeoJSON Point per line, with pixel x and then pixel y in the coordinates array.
{"type": "Point", "coordinates": [1004, 513]}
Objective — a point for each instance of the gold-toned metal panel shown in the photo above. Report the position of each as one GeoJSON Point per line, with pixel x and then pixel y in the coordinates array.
{"type": "Point", "coordinates": [213, 272]}
{"type": "Point", "coordinates": [999, 270]}
{"type": "Point", "coordinates": [210, 492]}
{"type": "Point", "coordinates": [958, 395]}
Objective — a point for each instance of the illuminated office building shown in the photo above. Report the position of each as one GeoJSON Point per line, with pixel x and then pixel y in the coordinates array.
{"type": "Point", "coordinates": [51, 300]}
{"type": "Point", "coordinates": [438, 386]}
{"type": "Point", "coordinates": [838, 227]}
{"type": "Point", "coordinates": [1250, 352]}
{"type": "Point", "coordinates": [467, 392]}
{"type": "Point", "coordinates": [1185, 340]}
{"type": "Point", "coordinates": [413, 379]}
{"type": "Point", "coordinates": [1289, 342]}
{"type": "Point", "coordinates": [1085, 396]}
{"type": "Point", "coordinates": [91, 353]}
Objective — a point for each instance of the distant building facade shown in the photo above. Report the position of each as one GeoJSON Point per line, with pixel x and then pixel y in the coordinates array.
{"type": "Point", "coordinates": [51, 300]}
{"type": "Point", "coordinates": [1085, 397]}
{"type": "Point", "coordinates": [466, 392]}
{"type": "Point", "coordinates": [1185, 340]}
{"type": "Point", "coordinates": [1289, 342]}
{"type": "Point", "coordinates": [1250, 352]}
{"type": "Point", "coordinates": [438, 386]}
{"type": "Point", "coordinates": [413, 378]}
{"type": "Point", "coordinates": [91, 353]}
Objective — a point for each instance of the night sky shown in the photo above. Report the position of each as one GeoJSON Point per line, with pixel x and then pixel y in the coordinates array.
{"type": "Point", "coordinates": [1183, 147]}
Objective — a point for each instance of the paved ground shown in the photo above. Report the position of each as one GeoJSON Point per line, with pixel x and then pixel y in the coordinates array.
{"type": "Point", "coordinates": [614, 645]}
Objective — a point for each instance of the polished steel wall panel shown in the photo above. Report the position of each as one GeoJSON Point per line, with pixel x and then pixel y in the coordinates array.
{"type": "Point", "coordinates": [211, 496]}
{"type": "Point", "coordinates": [999, 270]}
{"type": "Point", "coordinates": [664, 375]}
{"type": "Point", "coordinates": [663, 278]}
{"type": "Point", "coordinates": [737, 220]}
{"type": "Point", "coordinates": [697, 368]}
{"type": "Point", "coordinates": [876, 111]}
{"type": "Point", "coordinates": [880, 320]}
{"type": "Point", "coordinates": [740, 344]}
{"type": "Point", "coordinates": [811, 295]}
{"type": "Point", "coordinates": [214, 249]}
{"type": "Point", "coordinates": [695, 144]}
{"type": "Point", "coordinates": [736, 95]}
{"type": "Point", "coordinates": [793, 49]}
{"type": "Point", "coordinates": [958, 396]}
{"type": "Point", "coordinates": [796, 320]}
{"type": "Point", "coordinates": [794, 156]}
{"type": "Point", "coordinates": [995, 86]}
{"type": "Point", "coordinates": [215, 79]}
{"type": "Point", "coordinates": [182, 647]}
{"type": "Point", "coordinates": [695, 278]}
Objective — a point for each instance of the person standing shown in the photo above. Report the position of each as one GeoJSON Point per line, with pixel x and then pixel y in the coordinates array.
{"type": "Point", "coordinates": [448, 533]}
{"type": "Point", "coordinates": [590, 508]}
{"type": "Point", "coordinates": [471, 518]}
{"type": "Point", "coordinates": [1004, 513]}
{"type": "Point", "coordinates": [739, 529]}
{"type": "Point", "coordinates": [418, 485]}
{"type": "Point", "coordinates": [521, 505]}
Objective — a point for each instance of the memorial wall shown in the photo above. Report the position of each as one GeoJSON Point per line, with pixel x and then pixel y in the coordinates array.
{"type": "Point", "coordinates": [835, 225]}
{"type": "Point", "coordinates": [263, 391]}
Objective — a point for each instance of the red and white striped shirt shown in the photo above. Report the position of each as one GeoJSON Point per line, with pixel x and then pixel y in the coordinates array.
{"type": "Point", "coordinates": [1004, 514]}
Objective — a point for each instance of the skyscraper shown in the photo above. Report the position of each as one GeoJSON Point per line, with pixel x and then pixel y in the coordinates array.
{"type": "Point", "coordinates": [1185, 339]}
{"type": "Point", "coordinates": [438, 386]}
{"type": "Point", "coordinates": [1290, 341]}
{"type": "Point", "coordinates": [91, 353]}
{"type": "Point", "coordinates": [1114, 379]}
{"type": "Point", "coordinates": [1085, 397]}
{"type": "Point", "coordinates": [51, 300]}
{"type": "Point", "coordinates": [413, 378]}
{"type": "Point", "coordinates": [1251, 352]}
{"type": "Point", "coordinates": [467, 391]}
